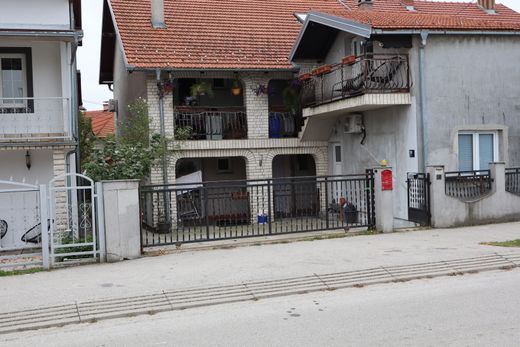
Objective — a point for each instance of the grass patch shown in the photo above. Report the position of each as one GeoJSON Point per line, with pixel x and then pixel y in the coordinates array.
{"type": "Point", "coordinates": [512, 243]}
{"type": "Point", "coordinates": [19, 272]}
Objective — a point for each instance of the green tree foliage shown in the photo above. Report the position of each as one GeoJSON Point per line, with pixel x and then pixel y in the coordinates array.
{"type": "Point", "coordinates": [132, 154]}
{"type": "Point", "coordinates": [87, 138]}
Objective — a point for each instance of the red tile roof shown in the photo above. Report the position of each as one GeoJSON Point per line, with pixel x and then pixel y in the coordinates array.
{"type": "Point", "coordinates": [259, 34]}
{"type": "Point", "coordinates": [103, 122]}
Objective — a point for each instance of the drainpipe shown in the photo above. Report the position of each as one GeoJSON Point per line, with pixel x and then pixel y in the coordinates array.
{"type": "Point", "coordinates": [162, 130]}
{"type": "Point", "coordinates": [422, 95]}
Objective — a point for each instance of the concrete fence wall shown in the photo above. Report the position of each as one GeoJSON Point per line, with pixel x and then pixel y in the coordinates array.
{"type": "Point", "coordinates": [497, 206]}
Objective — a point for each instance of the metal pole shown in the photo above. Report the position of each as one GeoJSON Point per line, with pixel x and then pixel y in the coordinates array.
{"type": "Point", "coordinates": [101, 222]}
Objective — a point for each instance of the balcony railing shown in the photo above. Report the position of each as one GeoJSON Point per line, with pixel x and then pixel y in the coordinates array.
{"type": "Point", "coordinates": [354, 76]}
{"type": "Point", "coordinates": [211, 124]}
{"type": "Point", "coordinates": [34, 119]}
{"type": "Point", "coordinates": [513, 180]}
{"type": "Point", "coordinates": [468, 185]}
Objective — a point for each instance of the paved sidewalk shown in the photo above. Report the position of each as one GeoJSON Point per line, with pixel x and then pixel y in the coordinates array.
{"type": "Point", "coordinates": [246, 264]}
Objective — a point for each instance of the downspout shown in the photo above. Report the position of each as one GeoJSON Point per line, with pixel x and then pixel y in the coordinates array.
{"type": "Point", "coordinates": [422, 95]}
{"type": "Point", "coordinates": [161, 118]}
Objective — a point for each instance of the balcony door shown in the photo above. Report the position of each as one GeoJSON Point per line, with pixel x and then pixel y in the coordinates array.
{"type": "Point", "coordinates": [13, 80]}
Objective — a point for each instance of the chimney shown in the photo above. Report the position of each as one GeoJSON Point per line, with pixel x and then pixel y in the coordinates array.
{"type": "Point", "coordinates": [158, 14]}
{"type": "Point", "coordinates": [409, 4]}
{"type": "Point", "coordinates": [365, 4]}
{"type": "Point", "coordinates": [106, 106]}
{"type": "Point", "coordinates": [487, 5]}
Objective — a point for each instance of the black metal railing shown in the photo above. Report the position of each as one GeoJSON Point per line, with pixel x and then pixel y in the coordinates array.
{"type": "Point", "coordinates": [418, 185]}
{"type": "Point", "coordinates": [206, 211]}
{"type": "Point", "coordinates": [374, 73]}
{"type": "Point", "coordinates": [214, 124]}
{"type": "Point", "coordinates": [284, 124]}
{"type": "Point", "coordinates": [513, 180]}
{"type": "Point", "coordinates": [468, 185]}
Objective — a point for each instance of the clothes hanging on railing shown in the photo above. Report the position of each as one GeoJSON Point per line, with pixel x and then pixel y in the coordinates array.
{"type": "Point", "coordinates": [281, 124]}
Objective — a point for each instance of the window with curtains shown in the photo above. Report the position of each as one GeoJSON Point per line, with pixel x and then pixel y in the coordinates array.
{"type": "Point", "coordinates": [13, 83]}
{"type": "Point", "coordinates": [477, 150]}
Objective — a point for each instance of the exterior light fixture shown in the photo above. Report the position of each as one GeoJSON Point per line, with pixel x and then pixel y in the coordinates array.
{"type": "Point", "coordinates": [28, 160]}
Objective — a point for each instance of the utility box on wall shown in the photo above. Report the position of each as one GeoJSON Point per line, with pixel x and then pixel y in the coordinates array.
{"type": "Point", "coordinates": [353, 124]}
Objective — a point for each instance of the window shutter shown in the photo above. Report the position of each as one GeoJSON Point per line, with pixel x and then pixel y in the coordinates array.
{"type": "Point", "coordinates": [485, 150]}
{"type": "Point", "coordinates": [465, 152]}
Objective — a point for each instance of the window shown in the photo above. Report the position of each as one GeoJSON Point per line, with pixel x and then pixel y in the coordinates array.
{"type": "Point", "coordinates": [12, 78]}
{"type": "Point", "coordinates": [477, 150]}
{"type": "Point", "coordinates": [15, 78]}
{"type": "Point", "coordinates": [337, 152]}
{"type": "Point", "coordinates": [224, 165]}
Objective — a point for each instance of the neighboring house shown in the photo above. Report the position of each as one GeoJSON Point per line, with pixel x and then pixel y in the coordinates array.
{"type": "Point", "coordinates": [103, 122]}
{"type": "Point", "coordinates": [38, 110]}
{"type": "Point", "coordinates": [429, 83]}
{"type": "Point", "coordinates": [38, 88]}
{"type": "Point", "coordinates": [433, 84]}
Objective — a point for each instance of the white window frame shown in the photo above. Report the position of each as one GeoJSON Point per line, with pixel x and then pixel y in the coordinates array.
{"type": "Point", "coordinates": [21, 103]}
{"type": "Point", "coordinates": [476, 146]}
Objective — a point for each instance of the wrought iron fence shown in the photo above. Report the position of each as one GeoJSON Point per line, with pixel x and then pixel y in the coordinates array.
{"type": "Point", "coordinates": [513, 180]}
{"type": "Point", "coordinates": [207, 211]}
{"type": "Point", "coordinates": [34, 119]}
{"type": "Point", "coordinates": [381, 73]}
{"type": "Point", "coordinates": [212, 125]}
{"type": "Point", "coordinates": [468, 185]}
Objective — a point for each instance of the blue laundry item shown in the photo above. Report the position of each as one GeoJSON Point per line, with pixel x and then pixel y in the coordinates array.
{"type": "Point", "coordinates": [275, 127]}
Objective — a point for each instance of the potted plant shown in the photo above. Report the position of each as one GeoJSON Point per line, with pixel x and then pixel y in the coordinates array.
{"type": "Point", "coordinates": [305, 77]}
{"type": "Point", "coordinates": [236, 87]}
{"type": "Point", "coordinates": [322, 70]}
{"type": "Point", "coordinates": [349, 60]}
{"type": "Point", "coordinates": [201, 89]}
{"type": "Point", "coordinates": [163, 226]}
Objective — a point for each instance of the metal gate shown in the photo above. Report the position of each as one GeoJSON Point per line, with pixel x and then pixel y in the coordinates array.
{"type": "Point", "coordinates": [20, 226]}
{"type": "Point", "coordinates": [419, 198]}
{"type": "Point", "coordinates": [76, 222]}
{"type": "Point", "coordinates": [209, 211]}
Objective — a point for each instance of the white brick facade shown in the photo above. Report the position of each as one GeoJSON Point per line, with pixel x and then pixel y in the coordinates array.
{"type": "Point", "coordinates": [258, 149]}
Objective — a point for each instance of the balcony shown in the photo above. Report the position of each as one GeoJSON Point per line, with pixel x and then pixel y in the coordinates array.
{"type": "Point", "coordinates": [34, 120]}
{"type": "Point", "coordinates": [203, 123]}
{"type": "Point", "coordinates": [357, 84]}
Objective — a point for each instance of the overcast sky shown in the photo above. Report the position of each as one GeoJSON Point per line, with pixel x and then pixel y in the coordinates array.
{"type": "Point", "coordinates": [88, 55]}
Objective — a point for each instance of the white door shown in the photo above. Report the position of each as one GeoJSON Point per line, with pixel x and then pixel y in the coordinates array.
{"type": "Point", "coordinates": [334, 183]}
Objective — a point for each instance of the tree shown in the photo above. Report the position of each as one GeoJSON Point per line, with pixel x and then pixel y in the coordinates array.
{"type": "Point", "coordinates": [132, 154]}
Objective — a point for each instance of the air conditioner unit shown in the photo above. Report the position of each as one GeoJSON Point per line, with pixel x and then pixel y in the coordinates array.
{"type": "Point", "coordinates": [353, 124]}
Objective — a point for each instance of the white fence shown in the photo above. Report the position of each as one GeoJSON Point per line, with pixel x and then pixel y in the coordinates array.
{"type": "Point", "coordinates": [34, 119]}
{"type": "Point", "coordinates": [50, 225]}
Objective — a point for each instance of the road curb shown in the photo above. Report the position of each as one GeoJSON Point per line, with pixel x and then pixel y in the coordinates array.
{"type": "Point", "coordinates": [180, 299]}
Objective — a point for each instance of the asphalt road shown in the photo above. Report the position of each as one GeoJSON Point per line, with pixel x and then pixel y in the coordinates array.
{"type": "Point", "coordinates": [472, 310]}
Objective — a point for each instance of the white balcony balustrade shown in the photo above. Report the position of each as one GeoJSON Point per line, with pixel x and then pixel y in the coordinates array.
{"type": "Point", "coordinates": [35, 119]}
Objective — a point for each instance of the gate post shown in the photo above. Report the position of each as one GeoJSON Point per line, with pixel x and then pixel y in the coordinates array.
{"type": "Point", "coordinates": [101, 222]}
{"type": "Point", "coordinates": [44, 223]}
{"type": "Point", "coordinates": [384, 199]}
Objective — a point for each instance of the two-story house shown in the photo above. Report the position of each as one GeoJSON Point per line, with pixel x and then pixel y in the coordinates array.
{"type": "Point", "coordinates": [38, 88]}
{"type": "Point", "coordinates": [290, 88]}
{"type": "Point", "coordinates": [417, 83]}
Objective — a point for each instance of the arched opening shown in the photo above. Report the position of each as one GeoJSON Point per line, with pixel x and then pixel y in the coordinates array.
{"type": "Point", "coordinates": [295, 190]}
{"type": "Point", "coordinates": [209, 109]}
{"type": "Point", "coordinates": [285, 115]}
{"type": "Point", "coordinates": [212, 190]}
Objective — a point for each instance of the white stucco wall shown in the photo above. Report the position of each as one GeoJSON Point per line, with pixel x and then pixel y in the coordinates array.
{"type": "Point", "coordinates": [34, 14]}
{"type": "Point", "coordinates": [472, 83]}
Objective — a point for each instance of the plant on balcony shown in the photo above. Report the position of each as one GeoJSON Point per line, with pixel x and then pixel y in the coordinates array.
{"type": "Point", "coordinates": [292, 97]}
{"type": "Point", "coordinates": [236, 87]}
{"type": "Point", "coordinates": [349, 60]}
{"type": "Point", "coordinates": [201, 89]}
{"type": "Point", "coordinates": [183, 133]}
{"type": "Point", "coordinates": [305, 77]}
{"type": "Point", "coordinates": [322, 70]}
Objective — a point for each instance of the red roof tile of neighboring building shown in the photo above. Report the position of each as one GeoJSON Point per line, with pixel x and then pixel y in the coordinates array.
{"type": "Point", "coordinates": [259, 34]}
{"type": "Point", "coordinates": [103, 123]}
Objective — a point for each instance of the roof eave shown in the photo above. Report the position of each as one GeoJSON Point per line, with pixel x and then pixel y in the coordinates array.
{"type": "Point", "coordinates": [342, 24]}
